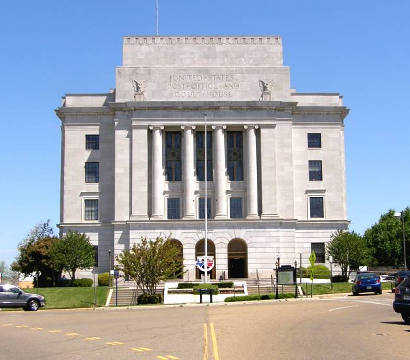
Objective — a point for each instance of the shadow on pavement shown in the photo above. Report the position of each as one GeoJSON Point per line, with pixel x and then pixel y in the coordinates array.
{"type": "Point", "coordinates": [393, 323]}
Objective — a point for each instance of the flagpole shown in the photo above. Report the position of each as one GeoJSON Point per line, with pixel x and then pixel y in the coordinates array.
{"type": "Point", "coordinates": [206, 202]}
{"type": "Point", "coordinates": [156, 17]}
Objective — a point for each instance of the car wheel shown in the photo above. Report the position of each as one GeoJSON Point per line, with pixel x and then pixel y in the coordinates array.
{"type": "Point", "coordinates": [406, 317]}
{"type": "Point", "coordinates": [33, 305]}
{"type": "Point", "coordinates": [355, 293]}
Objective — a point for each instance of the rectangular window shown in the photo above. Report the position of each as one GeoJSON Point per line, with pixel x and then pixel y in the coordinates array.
{"type": "Point", "coordinates": [91, 209]}
{"type": "Point", "coordinates": [92, 142]}
{"type": "Point", "coordinates": [202, 208]}
{"type": "Point", "coordinates": [315, 170]}
{"type": "Point", "coordinates": [200, 155]}
{"type": "Point", "coordinates": [173, 208]}
{"type": "Point", "coordinates": [173, 155]}
{"type": "Point", "coordinates": [314, 140]}
{"type": "Point", "coordinates": [319, 249]}
{"type": "Point", "coordinates": [236, 208]}
{"type": "Point", "coordinates": [235, 155]}
{"type": "Point", "coordinates": [316, 207]}
{"type": "Point", "coordinates": [95, 255]}
{"type": "Point", "coordinates": [91, 172]}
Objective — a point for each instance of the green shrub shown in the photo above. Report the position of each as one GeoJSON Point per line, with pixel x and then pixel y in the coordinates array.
{"type": "Point", "coordinates": [186, 285]}
{"type": "Point", "coordinates": [225, 284]}
{"type": "Point", "coordinates": [82, 283]}
{"type": "Point", "coordinates": [103, 279]}
{"type": "Point", "coordinates": [257, 297]}
{"type": "Point", "coordinates": [149, 299]}
{"type": "Point", "coordinates": [339, 278]}
{"type": "Point", "coordinates": [205, 286]}
{"type": "Point", "coordinates": [75, 283]}
{"type": "Point", "coordinates": [319, 272]}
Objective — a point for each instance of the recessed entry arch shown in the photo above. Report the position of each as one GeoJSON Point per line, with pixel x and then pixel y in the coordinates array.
{"type": "Point", "coordinates": [237, 259]}
{"type": "Point", "coordinates": [180, 258]}
{"type": "Point", "coordinates": [200, 251]}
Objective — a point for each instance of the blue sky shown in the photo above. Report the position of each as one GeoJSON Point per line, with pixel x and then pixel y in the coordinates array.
{"type": "Point", "coordinates": [48, 48]}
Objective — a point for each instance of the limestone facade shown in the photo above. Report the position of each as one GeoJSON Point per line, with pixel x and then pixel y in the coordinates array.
{"type": "Point", "coordinates": [165, 86]}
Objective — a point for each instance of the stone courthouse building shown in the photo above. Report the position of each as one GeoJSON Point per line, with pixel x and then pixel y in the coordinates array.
{"type": "Point", "coordinates": [133, 159]}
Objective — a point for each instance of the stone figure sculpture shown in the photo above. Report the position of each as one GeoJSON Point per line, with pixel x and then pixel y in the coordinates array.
{"type": "Point", "coordinates": [265, 89]}
{"type": "Point", "coordinates": [138, 86]}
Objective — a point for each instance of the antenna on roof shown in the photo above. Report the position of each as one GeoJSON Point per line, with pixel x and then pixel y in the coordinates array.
{"type": "Point", "coordinates": [156, 18]}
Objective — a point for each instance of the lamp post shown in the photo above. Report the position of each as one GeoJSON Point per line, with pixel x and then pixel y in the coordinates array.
{"type": "Point", "coordinates": [401, 216]}
{"type": "Point", "coordinates": [109, 269]}
{"type": "Point", "coordinates": [331, 272]}
{"type": "Point", "coordinates": [277, 277]}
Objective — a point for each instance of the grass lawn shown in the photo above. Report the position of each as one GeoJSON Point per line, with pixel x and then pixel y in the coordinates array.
{"type": "Point", "coordinates": [71, 297]}
{"type": "Point", "coordinates": [345, 287]}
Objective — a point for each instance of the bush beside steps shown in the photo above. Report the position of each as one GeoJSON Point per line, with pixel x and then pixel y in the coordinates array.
{"type": "Point", "coordinates": [258, 297]}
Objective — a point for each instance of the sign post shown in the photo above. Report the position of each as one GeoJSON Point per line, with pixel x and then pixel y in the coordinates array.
{"type": "Point", "coordinates": [116, 276]}
{"type": "Point", "coordinates": [312, 260]}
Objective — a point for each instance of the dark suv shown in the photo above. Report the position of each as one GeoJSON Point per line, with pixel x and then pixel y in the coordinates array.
{"type": "Point", "coordinates": [400, 276]}
{"type": "Point", "coordinates": [401, 303]}
{"type": "Point", "coordinates": [12, 296]}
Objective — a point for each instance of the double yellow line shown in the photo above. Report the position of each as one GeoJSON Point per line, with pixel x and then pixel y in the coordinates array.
{"type": "Point", "coordinates": [214, 343]}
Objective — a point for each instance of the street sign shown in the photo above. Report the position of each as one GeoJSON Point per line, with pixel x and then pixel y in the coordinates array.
{"type": "Point", "coordinates": [200, 263]}
{"type": "Point", "coordinates": [116, 274]}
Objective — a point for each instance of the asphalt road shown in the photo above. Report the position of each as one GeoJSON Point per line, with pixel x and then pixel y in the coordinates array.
{"type": "Point", "coordinates": [363, 327]}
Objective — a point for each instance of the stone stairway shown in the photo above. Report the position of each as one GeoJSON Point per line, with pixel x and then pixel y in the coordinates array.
{"type": "Point", "coordinates": [128, 295]}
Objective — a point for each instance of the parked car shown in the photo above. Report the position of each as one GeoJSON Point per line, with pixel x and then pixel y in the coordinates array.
{"type": "Point", "coordinates": [400, 276]}
{"type": "Point", "coordinates": [366, 282]}
{"type": "Point", "coordinates": [401, 303]}
{"type": "Point", "coordinates": [13, 297]}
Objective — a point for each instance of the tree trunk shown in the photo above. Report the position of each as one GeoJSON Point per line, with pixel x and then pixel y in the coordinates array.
{"type": "Point", "coordinates": [73, 274]}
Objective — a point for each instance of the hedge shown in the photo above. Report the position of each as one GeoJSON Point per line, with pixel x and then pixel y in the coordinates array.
{"type": "Point", "coordinates": [220, 285]}
{"type": "Point", "coordinates": [258, 297]}
{"type": "Point", "coordinates": [75, 283]}
{"type": "Point", "coordinates": [196, 288]}
{"type": "Point", "coordinates": [149, 299]}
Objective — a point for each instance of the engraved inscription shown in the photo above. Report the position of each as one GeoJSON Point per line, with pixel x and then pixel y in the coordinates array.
{"type": "Point", "coordinates": [202, 85]}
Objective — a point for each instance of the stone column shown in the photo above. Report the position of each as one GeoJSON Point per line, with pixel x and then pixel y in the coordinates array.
{"type": "Point", "coordinates": [157, 174]}
{"type": "Point", "coordinates": [188, 173]}
{"type": "Point", "coordinates": [251, 173]}
{"type": "Point", "coordinates": [139, 173]}
{"type": "Point", "coordinates": [219, 172]}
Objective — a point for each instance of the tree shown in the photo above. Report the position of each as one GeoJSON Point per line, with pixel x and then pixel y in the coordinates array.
{"type": "Point", "coordinates": [149, 262]}
{"type": "Point", "coordinates": [72, 252]}
{"type": "Point", "coordinates": [34, 254]}
{"type": "Point", "coordinates": [385, 239]}
{"type": "Point", "coordinates": [348, 249]}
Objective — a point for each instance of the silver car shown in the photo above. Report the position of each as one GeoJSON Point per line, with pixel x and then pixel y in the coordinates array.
{"type": "Point", "coordinates": [13, 297]}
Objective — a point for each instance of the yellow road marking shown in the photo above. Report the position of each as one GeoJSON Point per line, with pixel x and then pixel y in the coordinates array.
{"type": "Point", "coordinates": [93, 338]}
{"type": "Point", "coordinates": [36, 328]}
{"type": "Point", "coordinates": [21, 326]}
{"type": "Point", "coordinates": [54, 331]}
{"type": "Point", "coordinates": [205, 356]}
{"type": "Point", "coordinates": [172, 357]}
{"type": "Point", "coordinates": [72, 334]}
{"type": "Point", "coordinates": [7, 324]}
{"type": "Point", "coordinates": [140, 349]}
{"type": "Point", "coordinates": [162, 358]}
{"type": "Point", "coordinates": [214, 343]}
{"type": "Point", "coordinates": [114, 343]}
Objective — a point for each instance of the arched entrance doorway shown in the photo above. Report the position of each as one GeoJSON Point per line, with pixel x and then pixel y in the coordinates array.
{"type": "Point", "coordinates": [237, 259]}
{"type": "Point", "coordinates": [200, 251]}
{"type": "Point", "coordinates": [180, 258]}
